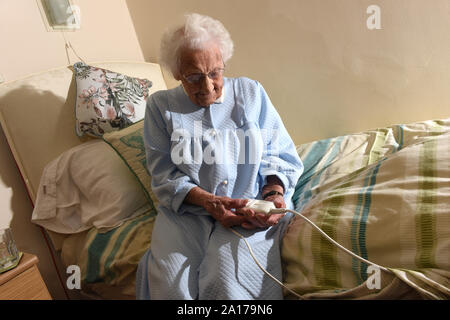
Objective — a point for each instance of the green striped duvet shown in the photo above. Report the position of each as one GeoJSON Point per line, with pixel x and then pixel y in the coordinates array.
{"type": "Point", "coordinates": [384, 194]}
{"type": "Point", "coordinates": [112, 257]}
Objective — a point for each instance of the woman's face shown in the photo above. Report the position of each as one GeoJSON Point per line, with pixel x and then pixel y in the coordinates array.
{"type": "Point", "coordinates": [193, 62]}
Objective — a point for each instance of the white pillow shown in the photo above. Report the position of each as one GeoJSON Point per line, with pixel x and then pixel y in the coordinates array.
{"type": "Point", "coordinates": [88, 186]}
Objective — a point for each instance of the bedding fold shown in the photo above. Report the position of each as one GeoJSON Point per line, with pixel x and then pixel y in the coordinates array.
{"type": "Point", "coordinates": [384, 194]}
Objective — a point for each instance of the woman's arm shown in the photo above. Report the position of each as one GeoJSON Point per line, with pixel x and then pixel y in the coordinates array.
{"type": "Point", "coordinates": [169, 184]}
{"type": "Point", "coordinates": [280, 164]}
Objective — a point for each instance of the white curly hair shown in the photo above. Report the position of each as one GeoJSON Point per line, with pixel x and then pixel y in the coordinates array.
{"type": "Point", "coordinates": [195, 33]}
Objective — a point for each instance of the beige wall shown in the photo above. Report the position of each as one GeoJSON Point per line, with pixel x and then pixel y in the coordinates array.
{"type": "Point", "coordinates": [107, 33]}
{"type": "Point", "coordinates": [326, 72]}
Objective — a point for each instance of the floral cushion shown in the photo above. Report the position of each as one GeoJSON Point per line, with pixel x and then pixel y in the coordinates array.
{"type": "Point", "coordinates": [107, 101]}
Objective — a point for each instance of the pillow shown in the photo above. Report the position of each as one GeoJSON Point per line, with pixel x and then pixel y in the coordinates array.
{"type": "Point", "coordinates": [88, 186]}
{"type": "Point", "coordinates": [383, 194]}
{"type": "Point", "coordinates": [129, 144]}
{"type": "Point", "coordinates": [106, 100]}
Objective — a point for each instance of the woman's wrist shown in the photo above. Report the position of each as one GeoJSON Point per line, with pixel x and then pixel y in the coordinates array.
{"type": "Point", "coordinates": [209, 200]}
{"type": "Point", "coordinates": [273, 186]}
{"type": "Point", "coordinates": [272, 193]}
{"type": "Point", "coordinates": [199, 197]}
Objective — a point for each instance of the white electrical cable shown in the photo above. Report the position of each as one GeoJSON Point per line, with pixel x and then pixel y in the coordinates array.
{"type": "Point", "coordinates": [332, 240]}
{"type": "Point", "coordinates": [283, 210]}
{"type": "Point", "coordinates": [262, 268]}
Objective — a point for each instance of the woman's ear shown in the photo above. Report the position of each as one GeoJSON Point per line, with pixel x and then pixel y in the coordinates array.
{"type": "Point", "coordinates": [176, 73]}
{"type": "Point", "coordinates": [177, 76]}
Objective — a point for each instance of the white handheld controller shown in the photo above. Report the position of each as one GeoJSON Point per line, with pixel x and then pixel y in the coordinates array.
{"type": "Point", "coordinates": [260, 206]}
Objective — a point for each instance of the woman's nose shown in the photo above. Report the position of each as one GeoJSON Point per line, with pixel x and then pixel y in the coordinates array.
{"type": "Point", "coordinates": [207, 85]}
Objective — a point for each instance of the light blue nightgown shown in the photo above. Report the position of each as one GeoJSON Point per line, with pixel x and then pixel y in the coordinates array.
{"type": "Point", "coordinates": [228, 149]}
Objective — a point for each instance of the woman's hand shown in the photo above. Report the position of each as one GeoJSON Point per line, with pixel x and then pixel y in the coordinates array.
{"type": "Point", "coordinates": [229, 212]}
{"type": "Point", "coordinates": [260, 220]}
{"type": "Point", "coordinates": [232, 212]}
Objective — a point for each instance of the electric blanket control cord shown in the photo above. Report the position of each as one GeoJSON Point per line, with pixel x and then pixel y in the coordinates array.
{"type": "Point", "coordinates": [283, 210]}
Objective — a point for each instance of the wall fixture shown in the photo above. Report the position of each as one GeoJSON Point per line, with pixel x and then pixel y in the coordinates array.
{"type": "Point", "coordinates": [60, 15]}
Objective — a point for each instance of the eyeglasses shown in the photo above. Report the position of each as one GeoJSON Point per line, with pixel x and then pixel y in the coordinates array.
{"type": "Point", "coordinates": [195, 78]}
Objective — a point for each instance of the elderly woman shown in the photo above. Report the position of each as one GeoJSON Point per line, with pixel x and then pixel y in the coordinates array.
{"type": "Point", "coordinates": [213, 143]}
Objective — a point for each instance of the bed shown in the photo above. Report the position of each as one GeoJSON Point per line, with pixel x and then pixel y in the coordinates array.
{"type": "Point", "coordinates": [383, 193]}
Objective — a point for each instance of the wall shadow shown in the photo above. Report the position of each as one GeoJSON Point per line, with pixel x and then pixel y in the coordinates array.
{"type": "Point", "coordinates": [31, 238]}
